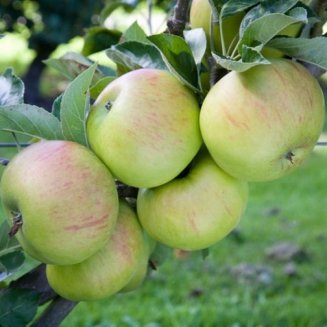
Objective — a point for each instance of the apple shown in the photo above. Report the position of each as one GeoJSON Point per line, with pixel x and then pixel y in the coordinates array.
{"type": "Point", "coordinates": [142, 267]}
{"type": "Point", "coordinates": [195, 211]}
{"type": "Point", "coordinates": [107, 271]}
{"type": "Point", "coordinates": [145, 127]}
{"type": "Point", "coordinates": [263, 123]}
{"type": "Point", "coordinates": [200, 17]}
{"type": "Point", "coordinates": [64, 198]}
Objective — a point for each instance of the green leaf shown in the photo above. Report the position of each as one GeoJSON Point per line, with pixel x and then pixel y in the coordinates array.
{"type": "Point", "coordinates": [135, 33]}
{"type": "Point", "coordinates": [11, 89]}
{"type": "Point", "coordinates": [134, 55]}
{"type": "Point", "coordinates": [160, 254]}
{"type": "Point", "coordinates": [205, 253]}
{"type": "Point", "coordinates": [312, 51]}
{"type": "Point", "coordinates": [265, 8]}
{"type": "Point", "coordinates": [7, 244]}
{"type": "Point", "coordinates": [232, 7]}
{"type": "Point", "coordinates": [178, 57]}
{"type": "Point", "coordinates": [56, 105]}
{"type": "Point", "coordinates": [10, 263]}
{"type": "Point", "coordinates": [72, 64]}
{"type": "Point", "coordinates": [75, 104]}
{"type": "Point", "coordinates": [99, 86]}
{"type": "Point", "coordinates": [30, 120]}
{"type": "Point", "coordinates": [196, 39]}
{"type": "Point", "coordinates": [99, 38]}
{"type": "Point", "coordinates": [239, 65]}
{"type": "Point", "coordinates": [263, 29]}
{"type": "Point", "coordinates": [17, 307]}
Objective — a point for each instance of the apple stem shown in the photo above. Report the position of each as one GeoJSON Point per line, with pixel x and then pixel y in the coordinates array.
{"type": "Point", "coordinates": [4, 161]}
{"type": "Point", "coordinates": [17, 224]}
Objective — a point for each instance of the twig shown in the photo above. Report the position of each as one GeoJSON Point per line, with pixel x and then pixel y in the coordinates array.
{"type": "Point", "coordinates": [176, 24]}
{"type": "Point", "coordinates": [55, 313]}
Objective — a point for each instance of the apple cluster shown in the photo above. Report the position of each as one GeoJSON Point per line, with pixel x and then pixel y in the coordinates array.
{"type": "Point", "coordinates": [191, 167]}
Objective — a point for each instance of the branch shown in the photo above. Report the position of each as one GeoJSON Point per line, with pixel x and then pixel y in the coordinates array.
{"type": "Point", "coordinates": [176, 24]}
{"type": "Point", "coordinates": [55, 313]}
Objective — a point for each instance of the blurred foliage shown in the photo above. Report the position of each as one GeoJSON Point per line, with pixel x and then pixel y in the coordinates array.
{"type": "Point", "coordinates": [55, 22]}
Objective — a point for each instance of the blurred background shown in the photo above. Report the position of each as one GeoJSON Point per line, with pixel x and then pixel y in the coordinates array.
{"type": "Point", "coordinates": [271, 271]}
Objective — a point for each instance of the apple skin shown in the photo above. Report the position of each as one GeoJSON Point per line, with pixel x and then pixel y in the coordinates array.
{"type": "Point", "coordinates": [195, 211]}
{"type": "Point", "coordinates": [109, 270]}
{"type": "Point", "coordinates": [261, 124]}
{"type": "Point", "coordinates": [142, 267]}
{"type": "Point", "coordinates": [151, 132]}
{"type": "Point", "coordinates": [200, 17]}
{"type": "Point", "coordinates": [67, 199]}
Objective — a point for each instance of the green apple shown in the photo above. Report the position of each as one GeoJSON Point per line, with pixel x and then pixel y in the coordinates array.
{"type": "Point", "coordinates": [195, 211]}
{"type": "Point", "coordinates": [145, 127]}
{"type": "Point", "coordinates": [200, 17]}
{"type": "Point", "coordinates": [109, 270]}
{"type": "Point", "coordinates": [142, 267]}
{"type": "Point", "coordinates": [64, 197]}
{"type": "Point", "coordinates": [263, 123]}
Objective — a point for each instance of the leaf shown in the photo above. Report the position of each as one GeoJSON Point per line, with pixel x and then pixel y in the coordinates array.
{"type": "Point", "coordinates": [72, 64]}
{"type": "Point", "coordinates": [232, 7]}
{"type": "Point", "coordinates": [96, 89]}
{"type": "Point", "coordinates": [134, 55]}
{"type": "Point", "coordinates": [30, 120]}
{"type": "Point", "coordinates": [135, 33]}
{"type": "Point", "coordinates": [264, 8]}
{"type": "Point", "coordinates": [17, 307]}
{"type": "Point", "coordinates": [178, 57]}
{"type": "Point", "coordinates": [75, 105]}
{"type": "Point", "coordinates": [7, 244]}
{"type": "Point", "coordinates": [160, 254]}
{"type": "Point", "coordinates": [205, 253]}
{"type": "Point", "coordinates": [55, 110]}
{"type": "Point", "coordinates": [196, 39]}
{"type": "Point", "coordinates": [263, 29]}
{"type": "Point", "coordinates": [99, 38]}
{"type": "Point", "coordinates": [11, 89]}
{"type": "Point", "coordinates": [238, 65]}
{"type": "Point", "coordinates": [10, 263]}
{"type": "Point", "coordinates": [312, 51]}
